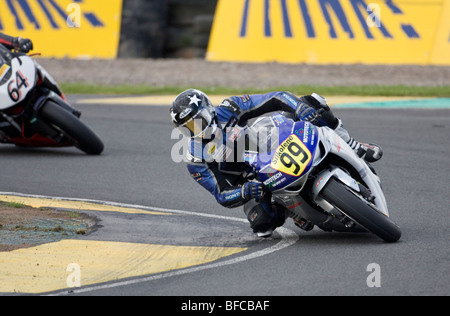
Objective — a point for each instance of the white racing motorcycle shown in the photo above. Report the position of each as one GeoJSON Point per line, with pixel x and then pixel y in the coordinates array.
{"type": "Point", "coordinates": [315, 174]}
{"type": "Point", "coordinates": [33, 110]}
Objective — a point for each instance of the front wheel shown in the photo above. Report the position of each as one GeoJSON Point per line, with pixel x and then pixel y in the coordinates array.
{"type": "Point", "coordinates": [81, 135]}
{"type": "Point", "coordinates": [358, 209]}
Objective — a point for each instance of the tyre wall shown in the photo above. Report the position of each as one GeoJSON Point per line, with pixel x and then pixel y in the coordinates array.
{"type": "Point", "coordinates": [166, 28]}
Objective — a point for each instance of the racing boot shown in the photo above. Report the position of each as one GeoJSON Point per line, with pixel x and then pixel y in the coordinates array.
{"type": "Point", "coordinates": [369, 152]}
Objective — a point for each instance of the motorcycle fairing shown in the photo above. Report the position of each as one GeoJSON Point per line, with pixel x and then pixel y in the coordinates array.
{"type": "Point", "coordinates": [339, 147]}
{"type": "Point", "coordinates": [21, 81]}
{"type": "Point", "coordinates": [292, 156]}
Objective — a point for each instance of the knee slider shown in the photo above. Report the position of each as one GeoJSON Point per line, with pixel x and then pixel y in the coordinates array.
{"type": "Point", "coordinates": [263, 217]}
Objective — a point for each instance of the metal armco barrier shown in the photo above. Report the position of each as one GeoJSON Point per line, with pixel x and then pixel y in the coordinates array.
{"type": "Point", "coordinates": [65, 28]}
{"type": "Point", "coordinates": [332, 31]}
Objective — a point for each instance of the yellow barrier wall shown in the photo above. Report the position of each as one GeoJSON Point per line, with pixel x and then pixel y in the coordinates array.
{"type": "Point", "coordinates": [65, 28]}
{"type": "Point", "coordinates": [332, 31]}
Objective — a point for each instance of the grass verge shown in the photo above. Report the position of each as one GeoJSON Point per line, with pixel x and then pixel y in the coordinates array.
{"type": "Point", "coordinates": [398, 90]}
{"type": "Point", "coordinates": [22, 226]}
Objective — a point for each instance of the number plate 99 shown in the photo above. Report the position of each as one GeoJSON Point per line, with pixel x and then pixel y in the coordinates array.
{"type": "Point", "coordinates": [292, 157]}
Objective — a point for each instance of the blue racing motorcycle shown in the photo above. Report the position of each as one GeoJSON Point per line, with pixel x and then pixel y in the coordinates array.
{"type": "Point", "coordinates": [312, 172]}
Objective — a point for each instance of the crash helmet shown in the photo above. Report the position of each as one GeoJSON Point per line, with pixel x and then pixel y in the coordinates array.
{"type": "Point", "coordinates": [193, 112]}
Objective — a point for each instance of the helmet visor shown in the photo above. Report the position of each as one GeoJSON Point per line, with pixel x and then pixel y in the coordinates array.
{"type": "Point", "coordinates": [197, 125]}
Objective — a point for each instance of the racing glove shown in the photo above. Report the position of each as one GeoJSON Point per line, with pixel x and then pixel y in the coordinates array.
{"type": "Point", "coordinates": [312, 107]}
{"type": "Point", "coordinates": [23, 44]}
{"type": "Point", "coordinates": [307, 114]}
{"type": "Point", "coordinates": [253, 190]}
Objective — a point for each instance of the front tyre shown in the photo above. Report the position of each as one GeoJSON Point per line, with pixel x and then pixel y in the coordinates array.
{"type": "Point", "coordinates": [81, 135]}
{"type": "Point", "coordinates": [361, 211]}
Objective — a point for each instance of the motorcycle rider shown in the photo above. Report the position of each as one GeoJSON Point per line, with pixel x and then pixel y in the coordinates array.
{"type": "Point", "coordinates": [229, 181]}
{"type": "Point", "coordinates": [23, 44]}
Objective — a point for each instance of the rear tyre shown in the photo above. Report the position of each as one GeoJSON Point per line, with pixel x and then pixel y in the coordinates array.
{"type": "Point", "coordinates": [361, 211]}
{"type": "Point", "coordinates": [81, 135]}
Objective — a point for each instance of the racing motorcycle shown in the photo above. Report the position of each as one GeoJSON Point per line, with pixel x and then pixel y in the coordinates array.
{"type": "Point", "coordinates": [315, 174]}
{"type": "Point", "coordinates": [34, 111]}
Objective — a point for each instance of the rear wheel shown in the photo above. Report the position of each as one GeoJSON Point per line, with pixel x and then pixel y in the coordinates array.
{"type": "Point", "coordinates": [361, 211]}
{"type": "Point", "coordinates": [81, 135]}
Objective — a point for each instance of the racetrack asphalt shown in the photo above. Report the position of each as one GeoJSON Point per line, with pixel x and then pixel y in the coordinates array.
{"type": "Point", "coordinates": [136, 170]}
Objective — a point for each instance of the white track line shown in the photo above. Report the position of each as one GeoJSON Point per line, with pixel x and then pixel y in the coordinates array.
{"type": "Point", "coordinates": [288, 238]}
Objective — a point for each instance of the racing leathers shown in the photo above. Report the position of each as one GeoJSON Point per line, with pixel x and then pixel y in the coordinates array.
{"type": "Point", "coordinates": [216, 165]}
